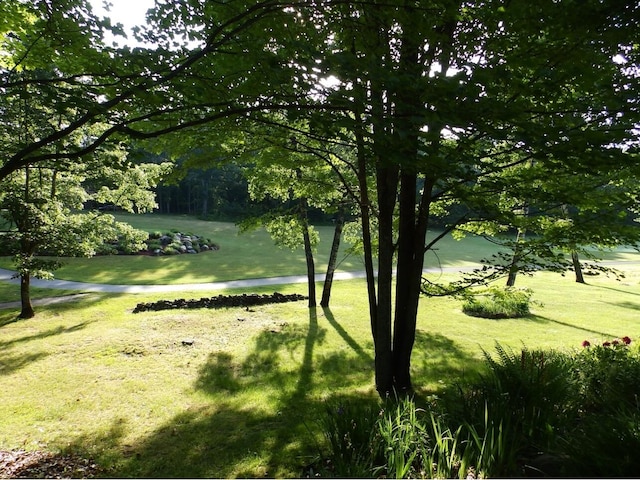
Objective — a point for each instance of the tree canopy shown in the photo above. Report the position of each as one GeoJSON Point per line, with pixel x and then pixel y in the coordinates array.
{"type": "Point", "coordinates": [494, 106]}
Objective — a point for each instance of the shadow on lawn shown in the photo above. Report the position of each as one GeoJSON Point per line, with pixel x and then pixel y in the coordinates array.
{"type": "Point", "coordinates": [46, 334]}
{"type": "Point", "coordinates": [10, 363]}
{"type": "Point", "coordinates": [227, 438]}
{"type": "Point", "coordinates": [576, 327]}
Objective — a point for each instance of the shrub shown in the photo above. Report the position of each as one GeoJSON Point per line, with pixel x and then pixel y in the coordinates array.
{"type": "Point", "coordinates": [605, 445]}
{"type": "Point", "coordinates": [607, 375]}
{"type": "Point", "coordinates": [536, 412]}
{"type": "Point", "coordinates": [349, 430]}
{"type": "Point", "coordinates": [153, 245]}
{"type": "Point", "coordinates": [499, 303]}
{"type": "Point", "coordinates": [395, 440]}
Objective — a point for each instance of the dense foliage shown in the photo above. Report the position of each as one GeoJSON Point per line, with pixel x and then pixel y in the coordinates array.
{"type": "Point", "coordinates": [481, 113]}
{"type": "Point", "coordinates": [531, 413]}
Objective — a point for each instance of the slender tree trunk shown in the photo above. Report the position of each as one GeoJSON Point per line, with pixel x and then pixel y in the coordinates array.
{"type": "Point", "coordinates": [333, 258]}
{"type": "Point", "coordinates": [308, 253]}
{"type": "Point", "coordinates": [577, 267]}
{"type": "Point", "coordinates": [364, 204]}
{"type": "Point", "coordinates": [25, 296]}
{"type": "Point", "coordinates": [517, 252]}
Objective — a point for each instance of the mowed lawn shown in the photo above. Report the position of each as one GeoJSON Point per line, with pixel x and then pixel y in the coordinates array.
{"type": "Point", "coordinates": [241, 393]}
{"type": "Point", "coordinates": [241, 256]}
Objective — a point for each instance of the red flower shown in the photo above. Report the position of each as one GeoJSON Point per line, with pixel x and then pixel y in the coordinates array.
{"type": "Point", "coordinates": [626, 340]}
{"type": "Point", "coordinates": [586, 343]}
{"type": "Point", "coordinates": [606, 344]}
{"type": "Point", "coordinates": [615, 342]}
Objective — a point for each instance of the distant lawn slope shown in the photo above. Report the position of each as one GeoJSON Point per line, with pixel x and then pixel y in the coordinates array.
{"type": "Point", "coordinates": [243, 256]}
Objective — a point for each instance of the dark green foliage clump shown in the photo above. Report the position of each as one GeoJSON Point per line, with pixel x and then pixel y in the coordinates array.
{"type": "Point", "coordinates": [530, 413]}
{"type": "Point", "coordinates": [499, 303]}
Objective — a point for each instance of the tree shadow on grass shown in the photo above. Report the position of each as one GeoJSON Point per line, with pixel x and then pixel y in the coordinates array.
{"type": "Point", "coordinates": [234, 433]}
{"type": "Point", "coordinates": [438, 360]}
{"type": "Point", "coordinates": [60, 330]}
{"type": "Point", "coordinates": [575, 327]}
{"type": "Point", "coordinates": [229, 438]}
{"type": "Point", "coordinates": [627, 305]}
{"type": "Point", "coordinates": [11, 363]}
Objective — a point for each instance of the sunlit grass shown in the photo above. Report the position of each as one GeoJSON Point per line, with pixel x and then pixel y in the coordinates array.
{"type": "Point", "coordinates": [245, 399]}
{"type": "Point", "coordinates": [241, 256]}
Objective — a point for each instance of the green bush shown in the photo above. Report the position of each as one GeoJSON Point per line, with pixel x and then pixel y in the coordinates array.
{"type": "Point", "coordinates": [153, 245]}
{"type": "Point", "coordinates": [394, 440]}
{"type": "Point", "coordinates": [499, 303]}
{"type": "Point", "coordinates": [531, 412]}
{"type": "Point", "coordinates": [517, 408]}
{"type": "Point", "coordinates": [608, 375]}
{"type": "Point", "coordinates": [605, 445]}
{"type": "Point", "coordinates": [349, 429]}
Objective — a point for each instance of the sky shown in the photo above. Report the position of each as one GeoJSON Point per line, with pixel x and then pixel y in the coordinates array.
{"type": "Point", "coordinates": [128, 12]}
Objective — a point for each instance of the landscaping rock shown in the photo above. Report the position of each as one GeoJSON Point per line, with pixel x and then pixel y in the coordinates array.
{"type": "Point", "coordinates": [220, 301]}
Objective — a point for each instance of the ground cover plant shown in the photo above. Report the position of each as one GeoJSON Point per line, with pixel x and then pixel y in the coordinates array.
{"type": "Point", "coordinates": [529, 413]}
{"type": "Point", "coordinates": [499, 302]}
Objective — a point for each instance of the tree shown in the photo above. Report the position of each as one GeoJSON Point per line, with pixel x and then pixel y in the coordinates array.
{"type": "Point", "coordinates": [39, 203]}
{"type": "Point", "coordinates": [561, 220]}
{"type": "Point", "coordinates": [492, 77]}
{"type": "Point", "coordinates": [133, 94]}
{"type": "Point", "coordinates": [436, 99]}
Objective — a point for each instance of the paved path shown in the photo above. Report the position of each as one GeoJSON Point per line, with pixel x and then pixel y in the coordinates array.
{"type": "Point", "coordinates": [6, 276]}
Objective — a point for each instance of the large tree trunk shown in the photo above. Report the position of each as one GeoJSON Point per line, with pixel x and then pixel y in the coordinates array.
{"type": "Point", "coordinates": [25, 296]}
{"type": "Point", "coordinates": [412, 233]}
{"type": "Point", "coordinates": [412, 221]}
{"type": "Point", "coordinates": [333, 259]}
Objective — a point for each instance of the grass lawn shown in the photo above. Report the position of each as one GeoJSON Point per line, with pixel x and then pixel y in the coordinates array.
{"type": "Point", "coordinates": [241, 256]}
{"type": "Point", "coordinates": [246, 398]}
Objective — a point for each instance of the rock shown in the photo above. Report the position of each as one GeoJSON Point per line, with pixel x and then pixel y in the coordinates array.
{"type": "Point", "coordinates": [220, 301]}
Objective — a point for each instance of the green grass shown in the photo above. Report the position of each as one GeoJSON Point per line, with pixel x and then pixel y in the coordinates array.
{"type": "Point", "coordinates": [246, 399]}
{"type": "Point", "coordinates": [241, 256]}
{"type": "Point", "coordinates": [10, 292]}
